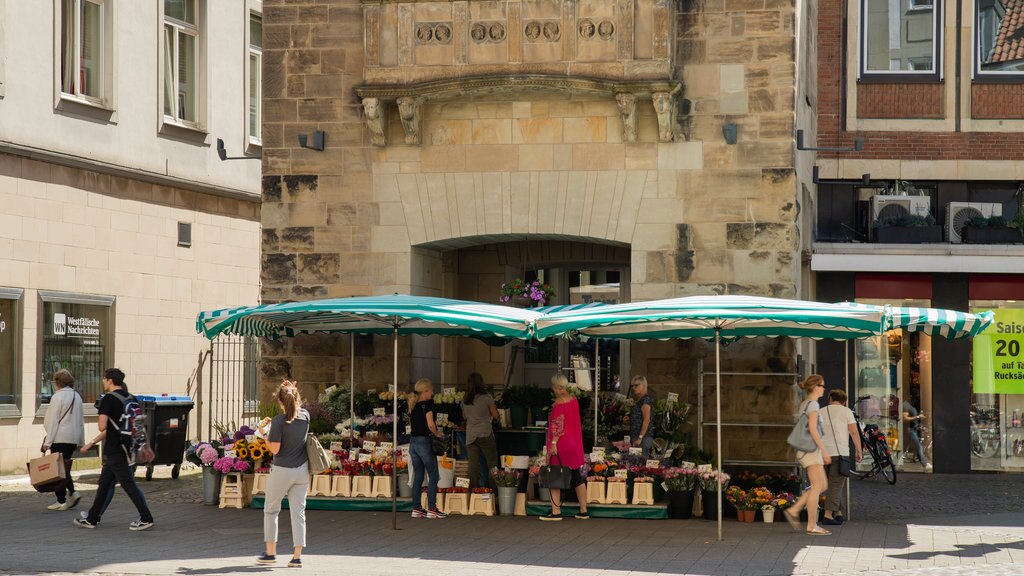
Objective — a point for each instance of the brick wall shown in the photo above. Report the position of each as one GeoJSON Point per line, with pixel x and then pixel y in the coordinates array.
{"type": "Point", "coordinates": [899, 100]}
{"type": "Point", "coordinates": [997, 101]}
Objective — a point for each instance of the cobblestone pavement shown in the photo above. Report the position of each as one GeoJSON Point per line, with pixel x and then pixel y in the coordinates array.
{"type": "Point", "coordinates": [923, 526]}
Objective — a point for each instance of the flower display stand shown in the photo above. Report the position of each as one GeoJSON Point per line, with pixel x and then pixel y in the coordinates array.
{"type": "Point", "coordinates": [481, 504]}
{"type": "Point", "coordinates": [520, 505]}
{"type": "Point", "coordinates": [595, 492]}
{"type": "Point", "coordinates": [616, 493]}
{"type": "Point", "coordinates": [438, 500]}
{"type": "Point", "coordinates": [643, 493]}
{"type": "Point", "coordinates": [382, 486]}
{"type": "Point", "coordinates": [456, 504]}
{"type": "Point", "coordinates": [341, 486]}
{"type": "Point", "coordinates": [233, 491]}
{"type": "Point", "coordinates": [259, 483]}
{"type": "Point", "coordinates": [321, 485]}
{"type": "Point", "coordinates": [362, 486]}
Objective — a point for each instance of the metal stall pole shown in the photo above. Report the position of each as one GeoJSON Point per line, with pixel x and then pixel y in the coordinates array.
{"type": "Point", "coordinates": [394, 439]}
{"type": "Point", "coordinates": [352, 392]}
{"type": "Point", "coordinates": [718, 420]}
{"type": "Point", "coordinates": [597, 383]}
{"type": "Point", "coordinates": [846, 380]}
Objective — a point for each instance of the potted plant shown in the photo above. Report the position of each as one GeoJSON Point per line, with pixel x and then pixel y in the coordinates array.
{"type": "Point", "coordinates": [994, 230]}
{"type": "Point", "coordinates": [907, 229]}
{"type": "Point", "coordinates": [204, 454]}
{"type": "Point", "coordinates": [525, 294]}
{"type": "Point", "coordinates": [710, 480]}
{"type": "Point", "coordinates": [680, 484]}
{"type": "Point", "coordinates": [507, 482]}
{"type": "Point", "coordinates": [760, 498]}
{"type": "Point", "coordinates": [782, 501]}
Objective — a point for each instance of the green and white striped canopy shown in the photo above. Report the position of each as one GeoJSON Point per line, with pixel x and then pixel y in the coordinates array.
{"type": "Point", "coordinates": [938, 322]}
{"type": "Point", "coordinates": [371, 315]}
{"type": "Point", "coordinates": [701, 316]}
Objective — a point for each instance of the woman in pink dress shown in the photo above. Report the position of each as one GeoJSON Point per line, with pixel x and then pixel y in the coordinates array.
{"type": "Point", "coordinates": [565, 446]}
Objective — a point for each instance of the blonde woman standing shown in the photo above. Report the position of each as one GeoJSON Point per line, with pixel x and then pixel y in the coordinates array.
{"type": "Point", "coordinates": [421, 449]}
{"type": "Point", "coordinates": [565, 446]}
{"type": "Point", "coordinates": [641, 431]}
{"type": "Point", "coordinates": [814, 462]}
{"type": "Point", "coordinates": [289, 475]}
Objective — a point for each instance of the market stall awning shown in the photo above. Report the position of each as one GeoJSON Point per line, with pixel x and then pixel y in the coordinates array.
{"type": "Point", "coordinates": [950, 324]}
{"type": "Point", "coordinates": [421, 315]}
{"type": "Point", "coordinates": [701, 316]}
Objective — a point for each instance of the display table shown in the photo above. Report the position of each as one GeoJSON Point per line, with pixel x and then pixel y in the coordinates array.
{"type": "Point", "coordinates": [348, 504]}
{"type": "Point", "coordinates": [656, 512]}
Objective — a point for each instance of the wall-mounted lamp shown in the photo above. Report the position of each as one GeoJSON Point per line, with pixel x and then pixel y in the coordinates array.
{"type": "Point", "coordinates": [222, 153]}
{"type": "Point", "coordinates": [858, 144]}
{"type": "Point", "coordinates": [865, 179]}
{"type": "Point", "coordinates": [318, 141]}
{"type": "Point", "coordinates": [729, 131]}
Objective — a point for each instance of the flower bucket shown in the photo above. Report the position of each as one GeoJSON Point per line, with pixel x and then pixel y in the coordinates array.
{"type": "Point", "coordinates": [506, 500]}
{"type": "Point", "coordinates": [768, 515]}
{"type": "Point", "coordinates": [680, 505]}
{"type": "Point", "coordinates": [211, 486]}
{"type": "Point", "coordinates": [709, 498]}
{"type": "Point", "coordinates": [747, 516]}
{"type": "Point", "coordinates": [404, 488]}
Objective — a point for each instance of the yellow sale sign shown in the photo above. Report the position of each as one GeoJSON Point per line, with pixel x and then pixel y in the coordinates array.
{"type": "Point", "coordinates": [999, 354]}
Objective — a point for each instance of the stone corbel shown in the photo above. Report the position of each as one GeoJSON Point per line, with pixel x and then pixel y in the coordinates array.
{"type": "Point", "coordinates": [626, 103]}
{"type": "Point", "coordinates": [665, 108]}
{"type": "Point", "coordinates": [409, 112]}
{"type": "Point", "coordinates": [375, 112]}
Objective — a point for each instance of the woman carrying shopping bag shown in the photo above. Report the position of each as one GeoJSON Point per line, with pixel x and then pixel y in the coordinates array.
{"type": "Point", "coordinates": [65, 432]}
{"type": "Point", "coordinates": [289, 474]}
{"type": "Point", "coordinates": [812, 457]}
{"type": "Point", "coordinates": [565, 447]}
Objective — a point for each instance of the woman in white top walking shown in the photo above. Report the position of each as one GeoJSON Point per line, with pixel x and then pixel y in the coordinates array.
{"type": "Point", "coordinates": [813, 462]}
{"type": "Point", "coordinates": [65, 432]}
{"type": "Point", "coordinates": [840, 427]}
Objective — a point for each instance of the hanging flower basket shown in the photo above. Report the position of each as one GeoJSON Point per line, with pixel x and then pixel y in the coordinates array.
{"type": "Point", "coordinates": [525, 294]}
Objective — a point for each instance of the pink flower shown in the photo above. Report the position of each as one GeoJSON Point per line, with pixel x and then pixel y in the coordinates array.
{"type": "Point", "coordinates": [208, 454]}
{"type": "Point", "coordinates": [241, 466]}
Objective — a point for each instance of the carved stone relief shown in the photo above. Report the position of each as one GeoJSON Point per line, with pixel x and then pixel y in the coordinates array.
{"type": "Point", "coordinates": [376, 120]}
{"type": "Point", "coordinates": [409, 113]}
{"type": "Point", "coordinates": [664, 107]}
{"type": "Point", "coordinates": [482, 32]}
{"type": "Point", "coordinates": [627, 110]}
{"type": "Point", "coordinates": [542, 31]}
{"type": "Point", "coordinates": [433, 33]}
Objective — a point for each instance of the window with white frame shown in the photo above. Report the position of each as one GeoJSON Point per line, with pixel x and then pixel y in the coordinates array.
{"type": "Point", "coordinates": [255, 77]}
{"type": "Point", "coordinates": [900, 37]}
{"type": "Point", "coordinates": [181, 61]}
{"type": "Point", "coordinates": [82, 47]}
{"type": "Point", "coordinates": [999, 36]}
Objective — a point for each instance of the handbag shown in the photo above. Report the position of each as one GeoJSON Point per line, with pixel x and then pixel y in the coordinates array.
{"type": "Point", "coordinates": [319, 460]}
{"type": "Point", "coordinates": [845, 463]}
{"type": "Point", "coordinates": [555, 477]}
{"type": "Point", "coordinates": [800, 437]}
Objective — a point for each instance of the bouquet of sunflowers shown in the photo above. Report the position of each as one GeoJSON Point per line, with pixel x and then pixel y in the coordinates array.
{"type": "Point", "coordinates": [255, 451]}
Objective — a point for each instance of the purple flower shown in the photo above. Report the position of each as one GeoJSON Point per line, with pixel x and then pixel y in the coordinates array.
{"type": "Point", "coordinates": [207, 454]}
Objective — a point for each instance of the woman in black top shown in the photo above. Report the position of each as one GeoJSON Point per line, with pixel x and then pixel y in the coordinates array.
{"type": "Point", "coordinates": [421, 449]}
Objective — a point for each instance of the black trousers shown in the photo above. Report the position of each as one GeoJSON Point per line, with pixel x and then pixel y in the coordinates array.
{"type": "Point", "coordinates": [116, 469]}
{"type": "Point", "coordinates": [67, 451]}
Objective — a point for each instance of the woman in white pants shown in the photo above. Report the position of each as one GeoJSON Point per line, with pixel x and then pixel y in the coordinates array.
{"type": "Point", "coordinates": [289, 476]}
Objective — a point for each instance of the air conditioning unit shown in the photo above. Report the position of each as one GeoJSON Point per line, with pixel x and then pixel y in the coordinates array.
{"type": "Point", "coordinates": [886, 206]}
{"type": "Point", "coordinates": [958, 213]}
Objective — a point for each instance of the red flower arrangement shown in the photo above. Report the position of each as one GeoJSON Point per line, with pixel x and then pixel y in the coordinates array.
{"type": "Point", "coordinates": [482, 490]}
{"type": "Point", "coordinates": [453, 490]}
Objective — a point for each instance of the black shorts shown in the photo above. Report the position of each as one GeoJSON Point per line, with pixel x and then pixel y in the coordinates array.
{"type": "Point", "coordinates": [576, 478]}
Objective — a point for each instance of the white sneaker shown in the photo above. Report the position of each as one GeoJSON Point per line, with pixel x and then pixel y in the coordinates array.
{"type": "Point", "coordinates": [928, 467]}
{"type": "Point", "coordinates": [57, 506]}
{"type": "Point", "coordinates": [73, 500]}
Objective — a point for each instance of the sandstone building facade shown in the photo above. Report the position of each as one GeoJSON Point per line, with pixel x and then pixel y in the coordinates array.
{"type": "Point", "coordinates": [619, 149]}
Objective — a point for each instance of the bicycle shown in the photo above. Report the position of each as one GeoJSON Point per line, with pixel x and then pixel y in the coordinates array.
{"type": "Point", "coordinates": [874, 443]}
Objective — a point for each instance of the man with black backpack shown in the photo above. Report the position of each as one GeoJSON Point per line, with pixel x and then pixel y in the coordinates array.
{"type": "Point", "coordinates": [119, 424]}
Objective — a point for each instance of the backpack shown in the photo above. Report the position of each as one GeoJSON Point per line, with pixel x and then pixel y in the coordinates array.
{"type": "Point", "coordinates": [132, 426]}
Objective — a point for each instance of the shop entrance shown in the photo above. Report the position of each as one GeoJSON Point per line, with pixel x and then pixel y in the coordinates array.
{"type": "Point", "coordinates": [893, 389]}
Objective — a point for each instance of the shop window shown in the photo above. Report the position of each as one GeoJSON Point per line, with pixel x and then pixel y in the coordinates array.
{"type": "Point", "coordinates": [899, 37]}
{"type": "Point", "coordinates": [76, 332]}
{"type": "Point", "coordinates": [83, 50]}
{"type": "Point", "coordinates": [181, 96]}
{"type": "Point", "coordinates": [10, 329]}
{"type": "Point", "coordinates": [894, 377]}
{"type": "Point", "coordinates": [997, 389]}
{"type": "Point", "coordinates": [255, 78]}
{"type": "Point", "coordinates": [999, 33]}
